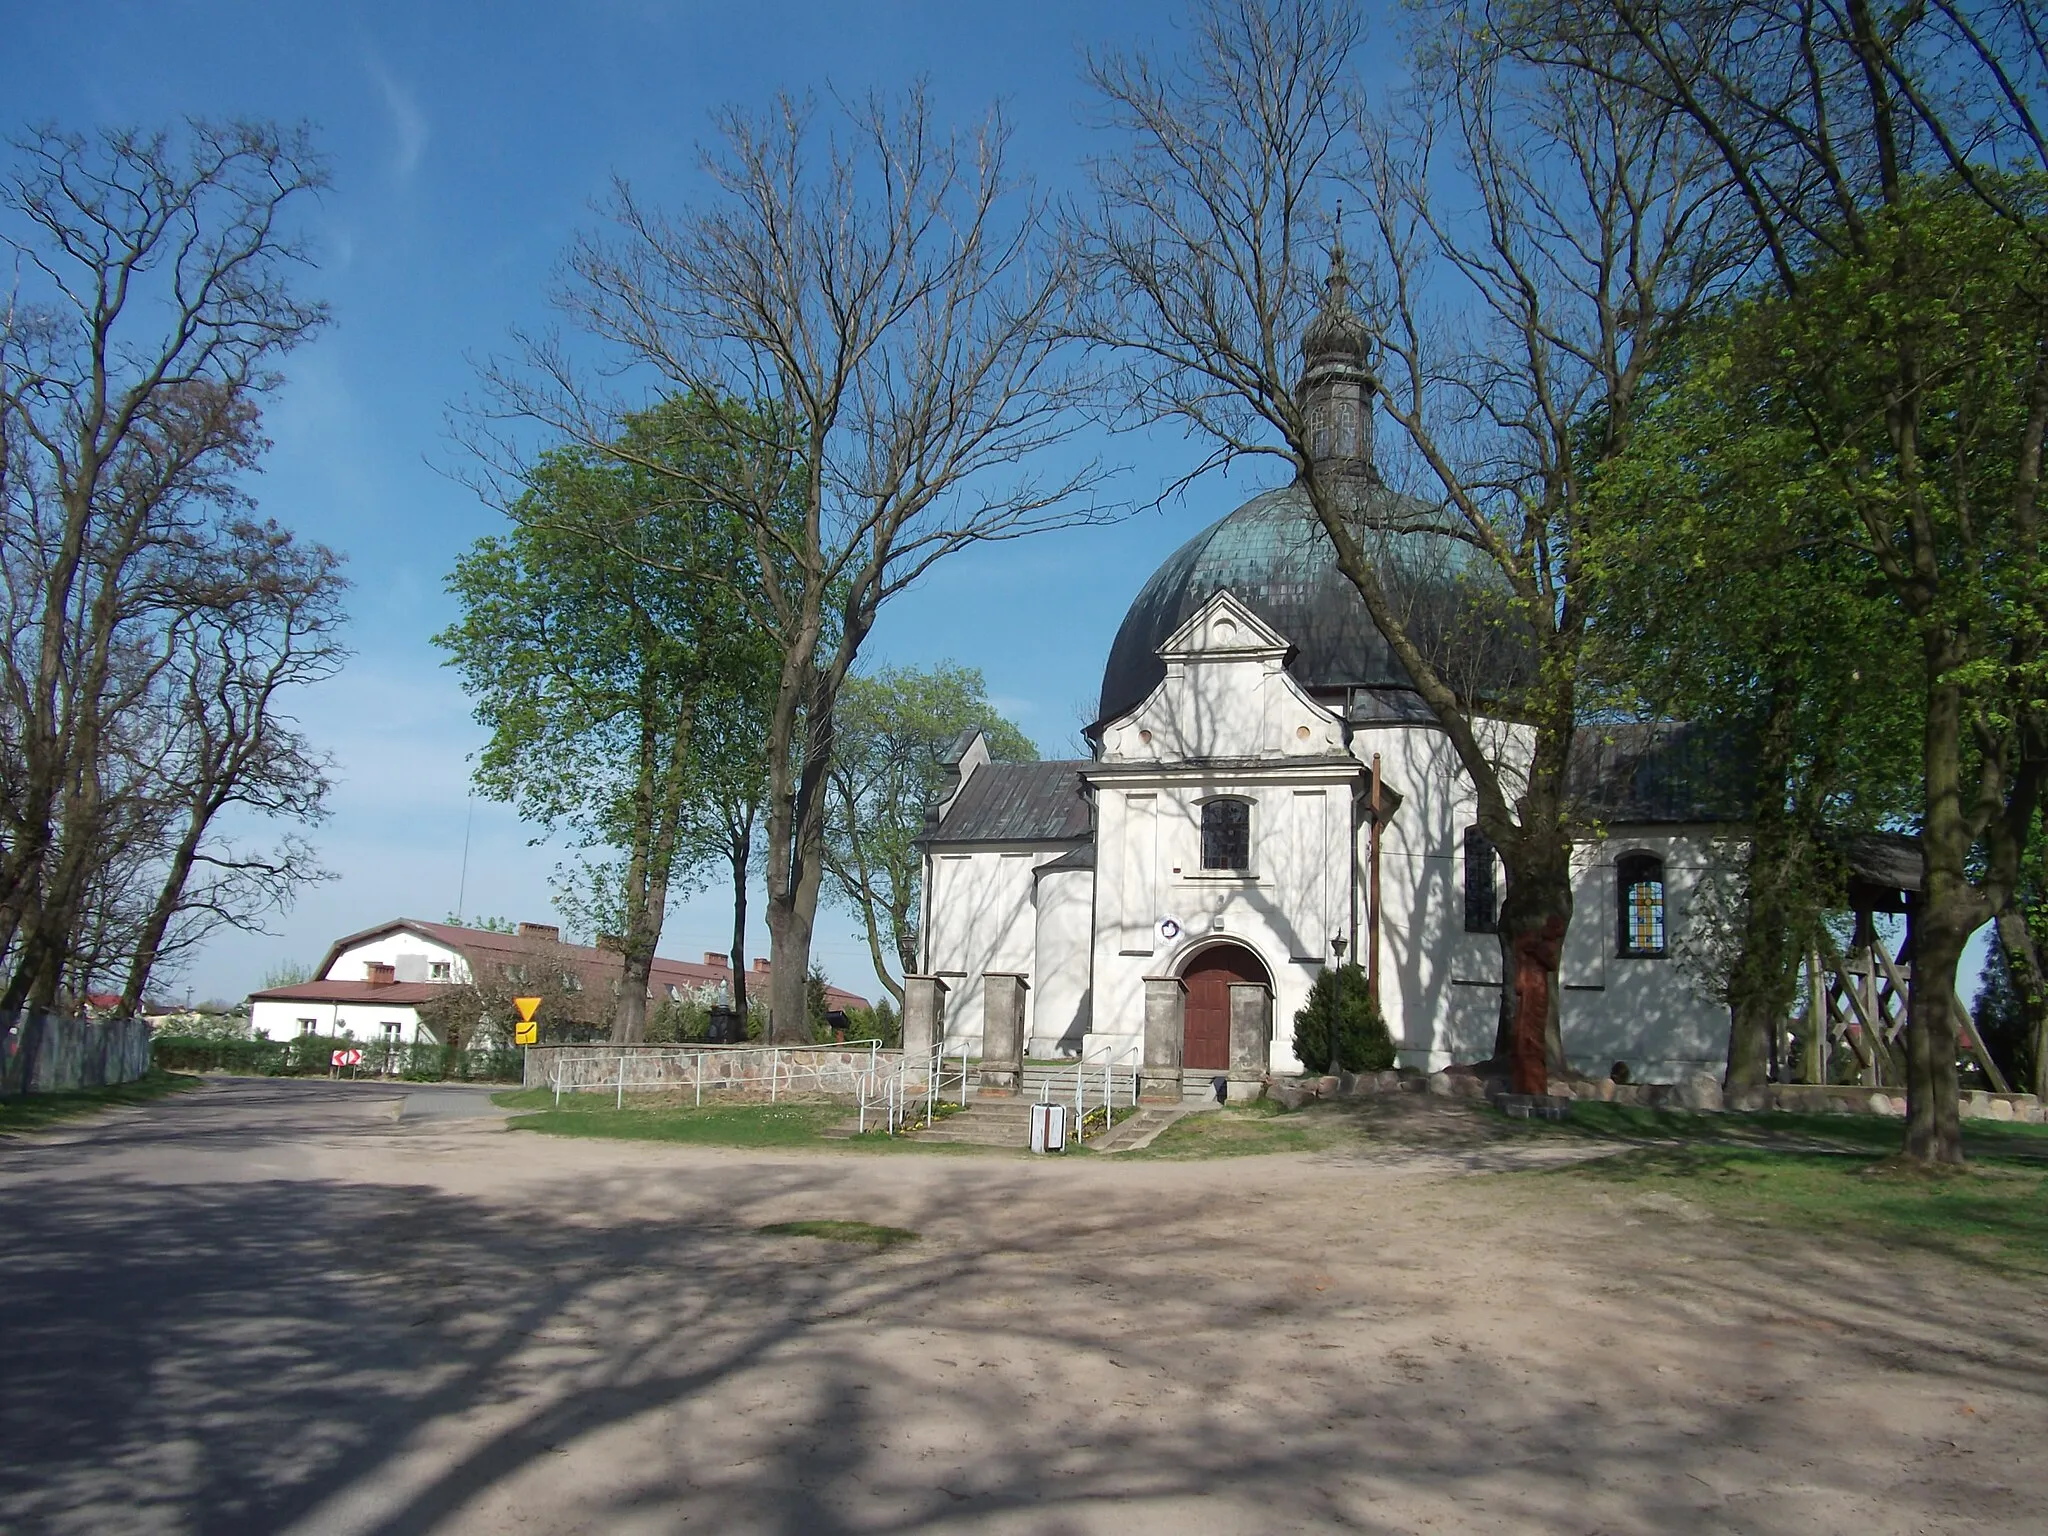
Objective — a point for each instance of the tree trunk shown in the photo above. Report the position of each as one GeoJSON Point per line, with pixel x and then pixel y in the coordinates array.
{"type": "Point", "coordinates": [790, 923]}
{"type": "Point", "coordinates": [742, 858]}
{"type": "Point", "coordinates": [1766, 973]}
{"type": "Point", "coordinates": [168, 897]}
{"type": "Point", "coordinates": [1535, 913]}
{"type": "Point", "coordinates": [1939, 925]}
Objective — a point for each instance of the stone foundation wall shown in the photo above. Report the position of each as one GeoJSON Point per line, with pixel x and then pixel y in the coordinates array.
{"type": "Point", "coordinates": [823, 1069]}
{"type": "Point", "coordinates": [1701, 1093]}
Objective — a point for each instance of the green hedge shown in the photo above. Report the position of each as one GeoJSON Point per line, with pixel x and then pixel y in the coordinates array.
{"type": "Point", "coordinates": [313, 1056]}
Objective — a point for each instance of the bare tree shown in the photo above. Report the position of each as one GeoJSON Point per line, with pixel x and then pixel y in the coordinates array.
{"type": "Point", "coordinates": [1536, 240]}
{"type": "Point", "coordinates": [879, 301]}
{"type": "Point", "coordinates": [151, 303]}
{"type": "Point", "coordinates": [265, 620]}
{"type": "Point", "coordinates": [1837, 119]}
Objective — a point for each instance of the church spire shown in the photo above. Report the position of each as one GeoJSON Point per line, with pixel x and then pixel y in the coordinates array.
{"type": "Point", "coordinates": [1337, 384]}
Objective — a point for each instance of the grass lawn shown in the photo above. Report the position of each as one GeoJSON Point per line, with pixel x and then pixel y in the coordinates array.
{"type": "Point", "coordinates": [1827, 1174]}
{"type": "Point", "coordinates": [722, 1125]}
{"type": "Point", "coordinates": [35, 1111]}
{"type": "Point", "coordinates": [712, 1125]}
{"type": "Point", "coordinates": [1832, 1175]}
{"type": "Point", "coordinates": [1250, 1131]}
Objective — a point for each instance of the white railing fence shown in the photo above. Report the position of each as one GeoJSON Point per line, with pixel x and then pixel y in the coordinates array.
{"type": "Point", "coordinates": [1096, 1074]}
{"type": "Point", "coordinates": [894, 1092]}
{"type": "Point", "coordinates": [775, 1071]}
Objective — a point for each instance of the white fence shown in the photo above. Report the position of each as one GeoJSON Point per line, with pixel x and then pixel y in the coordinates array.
{"type": "Point", "coordinates": [771, 1072]}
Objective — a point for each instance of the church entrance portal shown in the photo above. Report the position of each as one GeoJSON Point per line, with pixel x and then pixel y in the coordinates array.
{"type": "Point", "coordinates": [1205, 1044]}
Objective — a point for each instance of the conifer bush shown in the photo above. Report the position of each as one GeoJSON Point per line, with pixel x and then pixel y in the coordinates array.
{"type": "Point", "coordinates": [1363, 1044]}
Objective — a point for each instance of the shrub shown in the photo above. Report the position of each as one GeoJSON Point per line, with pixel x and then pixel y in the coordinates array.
{"type": "Point", "coordinates": [1363, 1044]}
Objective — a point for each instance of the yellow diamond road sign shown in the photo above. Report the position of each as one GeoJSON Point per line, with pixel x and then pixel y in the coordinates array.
{"type": "Point", "coordinates": [528, 1032]}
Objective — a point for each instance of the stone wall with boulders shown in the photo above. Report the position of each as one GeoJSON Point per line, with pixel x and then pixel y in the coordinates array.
{"type": "Point", "coordinates": [1701, 1092]}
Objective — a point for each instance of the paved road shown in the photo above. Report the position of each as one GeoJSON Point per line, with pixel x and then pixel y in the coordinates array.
{"type": "Point", "coordinates": [318, 1307]}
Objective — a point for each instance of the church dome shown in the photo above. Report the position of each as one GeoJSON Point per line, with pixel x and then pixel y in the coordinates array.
{"type": "Point", "coordinates": [1274, 556]}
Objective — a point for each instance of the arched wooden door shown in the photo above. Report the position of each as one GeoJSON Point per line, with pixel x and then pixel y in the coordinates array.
{"type": "Point", "coordinates": [1205, 1044]}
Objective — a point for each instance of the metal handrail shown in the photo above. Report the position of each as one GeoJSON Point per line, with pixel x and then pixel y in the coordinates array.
{"type": "Point", "coordinates": [894, 1093]}
{"type": "Point", "coordinates": [1112, 1053]}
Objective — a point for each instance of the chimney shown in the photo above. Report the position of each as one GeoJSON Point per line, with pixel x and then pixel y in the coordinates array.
{"type": "Point", "coordinates": [546, 931]}
{"type": "Point", "coordinates": [716, 962]}
{"type": "Point", "coordinates": [379, 974]}
{"type": "Point", "coordinates": [760, 967]}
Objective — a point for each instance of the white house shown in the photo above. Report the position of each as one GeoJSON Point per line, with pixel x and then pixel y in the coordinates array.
{"type": "Point", "coordinates": [1223, 833]}
{"type": "Point", "coordinates": [371, 984]}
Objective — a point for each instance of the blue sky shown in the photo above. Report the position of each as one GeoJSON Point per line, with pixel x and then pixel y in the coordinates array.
{"type": "Point", "coordinates": [468, 142]}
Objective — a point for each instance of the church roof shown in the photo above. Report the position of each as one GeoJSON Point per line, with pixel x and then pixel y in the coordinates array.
{"type": "Point", "coordinates": [1662, 771]}
{"type": "Point", "coordinates": [1017, 803]}
{"type": "Point", "coordinates": [1273, 554]}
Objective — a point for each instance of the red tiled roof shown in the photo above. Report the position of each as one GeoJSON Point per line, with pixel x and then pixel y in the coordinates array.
{"type": "Point", "coordinates": [596, 968]}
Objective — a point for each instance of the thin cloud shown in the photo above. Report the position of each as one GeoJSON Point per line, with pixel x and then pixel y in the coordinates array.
{"type": "Point", "coordinates": [409, 128]}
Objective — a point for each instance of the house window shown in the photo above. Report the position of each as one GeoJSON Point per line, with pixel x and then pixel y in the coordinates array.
{"type": "Point", "coordinates": [440, 970]}
{"type": "Point", "coordinates": [307, 1026]}
{"type": "Point", "coordinates": [675, 993]}
{"type": "Point", "coordinates": [391, 1032]}
{"type": "Point", "coordinates": [571, 982]}
{"type": "Point", "coordinates": [1639, 899]}
{"type": "Point", "coordinates": [1482, 901]}
{"type": "Point", "coordinates": [1227, 835]}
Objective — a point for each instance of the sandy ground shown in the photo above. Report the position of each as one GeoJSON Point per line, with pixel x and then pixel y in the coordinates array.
{"type": "Point", "coordinates": [281, 1307]}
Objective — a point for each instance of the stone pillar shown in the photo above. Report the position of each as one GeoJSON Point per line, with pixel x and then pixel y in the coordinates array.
{"type": "Point", "coordinates": [1165, 1031]}
{"type": "Point", "coordinates": [924, 1016]}
{"type": "Point", "coordinates": [1251, 1032]}
{"type": "Point", "coordinates": [1002, 1033]}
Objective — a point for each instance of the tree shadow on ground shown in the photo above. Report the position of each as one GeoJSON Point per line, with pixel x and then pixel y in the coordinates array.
{"type": "Point", "coordinates": [629, 1351]}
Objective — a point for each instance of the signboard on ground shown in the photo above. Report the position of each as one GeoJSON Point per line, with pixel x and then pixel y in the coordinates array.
{"type": "Point", "coordinates": [348, 1058]}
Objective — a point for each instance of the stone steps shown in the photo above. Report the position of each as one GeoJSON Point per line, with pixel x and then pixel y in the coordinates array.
{"type": "Point", "coordinates": [1140, 1131]}
{"type": "Point", "coordinates": [1004, 1122]}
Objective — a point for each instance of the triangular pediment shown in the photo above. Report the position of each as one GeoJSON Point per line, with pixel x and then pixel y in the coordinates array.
{"type": "Point", "coordinates": [1226, 695]}
{"type": "Point", "coordinates": [1224, 626]}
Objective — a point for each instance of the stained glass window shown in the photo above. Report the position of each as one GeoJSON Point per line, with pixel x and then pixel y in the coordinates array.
{"type": "Point", "coordinates": [1639, 886]}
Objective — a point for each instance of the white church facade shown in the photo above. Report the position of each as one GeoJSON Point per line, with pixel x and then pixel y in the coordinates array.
{"type": "Point", "coordinates": [1223, 837]}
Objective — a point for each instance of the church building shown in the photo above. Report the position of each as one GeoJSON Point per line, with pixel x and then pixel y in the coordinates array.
{"type": "Point", "coordinates": [1177, 894]}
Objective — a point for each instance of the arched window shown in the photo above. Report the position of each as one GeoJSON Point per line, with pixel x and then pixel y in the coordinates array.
{"type": "Point", "coordinates": [1227, 834]}
{"type": "Point", "coordinates": [1482, 904]}
{"type": "Point", "coordinates": [1639, 900]}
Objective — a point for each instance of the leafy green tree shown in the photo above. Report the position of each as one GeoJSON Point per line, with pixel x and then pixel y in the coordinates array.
{"type": "Point", "coordinates": [1905, 327]}
{"type": "Point", "coordinates": [1342, 995]}
{"type": "Point", "coordinates": [895, 727]}
{"type": "Point", "coordinates": [1724, 597]}
{"type": "Point", "coordinates": [596, 638]}
{"type": "Point", "coordinates": [886, 291]}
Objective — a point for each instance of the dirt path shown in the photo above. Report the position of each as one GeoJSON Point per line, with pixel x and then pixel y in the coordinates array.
{"type": "Point", "coordinates": [279, 1308]}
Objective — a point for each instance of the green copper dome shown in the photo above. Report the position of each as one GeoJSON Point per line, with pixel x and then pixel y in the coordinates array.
{"type": "Point", "coordinates": [1273, 555]}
